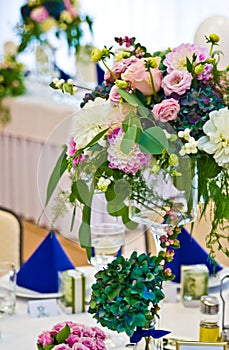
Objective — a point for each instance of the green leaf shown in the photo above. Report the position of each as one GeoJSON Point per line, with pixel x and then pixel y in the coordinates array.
{"type": "Point", "coordinates": [130, 98]}
{"type": "Point", "coordinates": [189, 65]}
{"type": "Point", "coordinates": [63, 334]}
{"type": "Point", "coordinates": [85, 235]}
{"type": "Point", "coordinates": [81, 192]}
{"type": "Point", "coordinates": [58, 171]}
{"type": "Point", "coordinates": [130, 120]}
{"type": "Point", "coordinates": [130, 138]}
{"type": "Point", "coordinates": [153, 140]}
{"type": "Point", "coordinates": [139, 319]}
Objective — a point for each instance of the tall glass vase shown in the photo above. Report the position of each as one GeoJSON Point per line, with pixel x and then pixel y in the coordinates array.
{"type": "Point", "coordinates": [168, 202]}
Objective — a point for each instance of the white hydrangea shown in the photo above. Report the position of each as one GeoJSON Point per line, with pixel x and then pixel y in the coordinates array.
{"type": "Point", "coordinates": [216, 140]}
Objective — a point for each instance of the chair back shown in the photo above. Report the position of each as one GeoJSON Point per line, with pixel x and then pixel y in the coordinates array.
{"type": "Point", "coordinates": [11, 235]}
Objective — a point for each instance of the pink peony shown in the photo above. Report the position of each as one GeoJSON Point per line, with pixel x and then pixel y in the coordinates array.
{"type": "Point", "coordinates": [177, 82]}
{"type": "Point", "coordinates": [129, 163]}
{"type": "Point", "coordinates": [140, 79]}
{"type": "Point", "coordinates": [119, 68]}
{"type": "Point", "coordinates": [45, 338]}
{"type": "Point", "coordinates": [166, 110]}
{"type": "Point", "coordinates": [114, 96]}
{"type": "Point", "coordinates": [39, 14]}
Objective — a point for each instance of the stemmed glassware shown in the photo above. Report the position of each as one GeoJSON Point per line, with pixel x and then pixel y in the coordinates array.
{"type": "Point", "coordinates": [168, 201]}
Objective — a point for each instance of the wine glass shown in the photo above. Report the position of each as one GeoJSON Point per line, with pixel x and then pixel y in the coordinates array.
{"type": "Point", "coordinates": [167, 201]}
{"type": "Point", "coordinates": [107, 240]}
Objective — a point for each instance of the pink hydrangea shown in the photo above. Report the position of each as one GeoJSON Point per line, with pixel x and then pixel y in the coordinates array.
{"type": "Point", "coordinates": [39, 14]}
{"type": "Point", "coordinates": [129, 163]}
{"type": "Point", "coordinates": [166, 110]}
{"type": "Point", "coordinates": [119, 68]}
{"type": "Point", "coordinates": [177, 59]}
{"type": "Point", "coordinates": [177, 82]}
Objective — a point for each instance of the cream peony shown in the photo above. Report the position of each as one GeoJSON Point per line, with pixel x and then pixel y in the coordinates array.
{"type": "Point", "coordinates": [217, 140]}
{"type": "Point", "coordinates": [96, 116]}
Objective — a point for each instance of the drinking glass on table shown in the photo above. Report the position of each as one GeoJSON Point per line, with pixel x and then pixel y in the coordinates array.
{"type": "Point", "coordinates": [107, 240]}
{"type": "Point", "coordinates": [7, 288]}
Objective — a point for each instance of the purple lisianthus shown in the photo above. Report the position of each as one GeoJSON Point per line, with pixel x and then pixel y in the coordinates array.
{"type": "Point", "coordinates": [177, 82]}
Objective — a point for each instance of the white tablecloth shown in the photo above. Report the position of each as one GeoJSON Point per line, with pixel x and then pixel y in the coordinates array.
{"type": "Point", "coordinates": [20, 331]}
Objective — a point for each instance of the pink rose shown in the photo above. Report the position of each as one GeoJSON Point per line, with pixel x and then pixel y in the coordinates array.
{"type": "Point", "coordinates": [114, 96]}
{"type": "Point", "coordinates": [99, 333]}
{"type": "Point", "coordinates": [166, 110]}
{"type": "Point", "coordinates": [177, 82]}
{"type": "Point", "coordinates": [45, 338]}
{"type": "Point", "coordinates": [119, 68]}
{"type": "Point", "coordinates": [79, 346]}
{"type": "Point", "coordinates": [139, 78]}
{"type": "Point", "coordinates": [61, 347]}
{"type": "Point", "coordinates": [88, 332]}
{"type": "Point", "coordinates": [72, 339]}
{"type": "Point", "coordinates": [88, 342]}
{"type": "Point", "coordinates": [39, 14]}
{"type": "Point", "coordinates": [100, 344]}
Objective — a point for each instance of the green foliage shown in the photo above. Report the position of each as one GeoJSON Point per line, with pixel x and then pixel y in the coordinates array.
{"type": "Point", "coordinates": [127, 292]}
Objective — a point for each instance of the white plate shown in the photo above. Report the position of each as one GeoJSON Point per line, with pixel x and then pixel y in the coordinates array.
{"type": "Point", "coordinates": [31, 294]}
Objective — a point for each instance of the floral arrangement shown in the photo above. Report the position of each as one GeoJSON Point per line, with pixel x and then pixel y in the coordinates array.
{"type": "Point", "coordinates": [70, 335]}
{"type": "Point", "coordinates": [11, 84]}
{"type": "Point", "coordinates": [126, 295]}
{"type": "Point", "coordinates": [152, 111]}
{"type": "Point", "coordinates": [61, 16]}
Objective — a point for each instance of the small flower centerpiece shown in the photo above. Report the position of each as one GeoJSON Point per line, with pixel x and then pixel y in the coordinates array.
{"type": "Point", "coordinates": [153, 110]}
{"type": "Point", "coordinates": [11, 84]}
{"type": "Point", "coordinates": [70, 335]}
{"type": "Point", "coordinates": [126, 295]}
{"type": "Point", "coordinates": [61, 16]}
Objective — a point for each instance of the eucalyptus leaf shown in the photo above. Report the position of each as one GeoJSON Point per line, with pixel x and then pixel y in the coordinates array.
{"type": "Point", "coordinates": [130, 138]}
{"type": "Point", "coordinates": [153, 140]}
{"type": "Point", "coordinates": [130, 98]}
{"type": "Point", "coordinates": [58, 171]}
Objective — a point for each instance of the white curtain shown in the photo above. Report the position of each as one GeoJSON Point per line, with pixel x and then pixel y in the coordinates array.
{"type": "Point", "coordinates": [155, 23]}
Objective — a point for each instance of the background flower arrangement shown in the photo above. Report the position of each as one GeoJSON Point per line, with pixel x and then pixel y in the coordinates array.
{"type": "Point", "coordinates": [12, 74]}
{"type": "Point", "coordinates": [61, 16]}
{"type": "Point", "coordinates": [70, 335]}
{"type": "Point", "coordinates": [156, 109]}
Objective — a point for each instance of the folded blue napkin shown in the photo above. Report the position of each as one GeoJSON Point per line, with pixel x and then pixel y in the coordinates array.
{"type": "Point", "coordinates": [190, 253]}
{"type": "Point", "coordinates": [40, 271]}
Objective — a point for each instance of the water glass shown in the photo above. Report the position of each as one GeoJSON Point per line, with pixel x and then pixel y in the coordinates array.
{"type": "Point", "coordinates": [107, 241]}
{"type": "Point", "coordinates": [7, 288]}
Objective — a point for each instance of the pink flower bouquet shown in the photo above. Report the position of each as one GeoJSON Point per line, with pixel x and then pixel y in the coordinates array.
{"type": "Point", "coordinates": [69, 335]}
